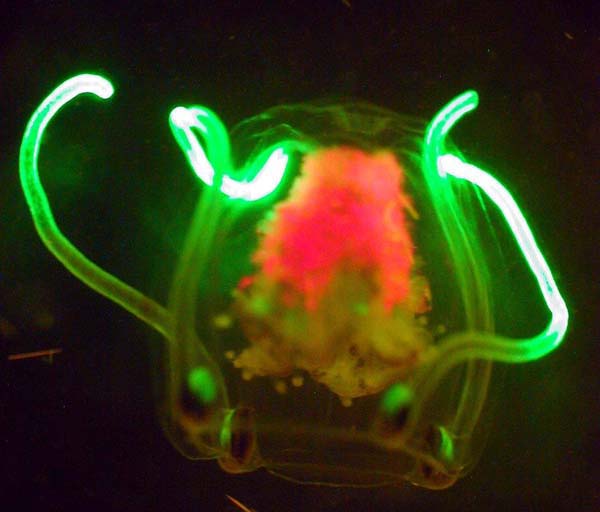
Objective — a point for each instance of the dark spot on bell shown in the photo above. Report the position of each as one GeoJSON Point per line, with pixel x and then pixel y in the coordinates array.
{"type": "Point", "coordinates": [427, 470]}
{"type": "Point", "coordinates": [243, 436]}
{"type": "Point", "coordinates": [192, 406]}
{"type": "Point", "coordinates": [398, 419]}
{"type": "Point", "coordinates": [393, 424]}
{"type": "Point", "coordinates": [434, 478]}
{"type": "Point", "coordinates": [433, 439]}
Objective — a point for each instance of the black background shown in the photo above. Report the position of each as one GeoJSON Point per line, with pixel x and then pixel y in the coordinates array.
{"type": "Point", "coordinates": [80, 433]}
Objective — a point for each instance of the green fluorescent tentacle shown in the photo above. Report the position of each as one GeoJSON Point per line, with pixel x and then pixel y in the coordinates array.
{"type": "Point", "coordinates": [267, 170]}
{"type": "Point", "coordinates": [508, 350]}
{"type": "Point", "coordinates": [471, 345]}
{"type": "Point", "coordinates": [551, 337]}
{"type": "Point", "coordinates": [80, 266]}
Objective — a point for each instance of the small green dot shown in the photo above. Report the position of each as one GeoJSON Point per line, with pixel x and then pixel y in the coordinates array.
{"type": "Point", "coordinates": [361, 308]}
{"type": "Point", "coordinates": [202, 385]}
{"type": "Point", "coordinates": [260, 306]}
{"type": "Point", "coordinates": [395, 398]}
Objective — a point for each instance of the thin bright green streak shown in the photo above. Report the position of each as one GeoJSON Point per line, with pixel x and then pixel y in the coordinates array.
{"type": "Point", "coordinates": [267, 170]}
{"type": "Point", "coordinates": [78, 264]}
{"type": "Point", "coordinates": [483, 345]}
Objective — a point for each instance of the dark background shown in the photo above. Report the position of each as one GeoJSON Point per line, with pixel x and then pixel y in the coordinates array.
{"type": "Point", "coordinates": [80, 432]}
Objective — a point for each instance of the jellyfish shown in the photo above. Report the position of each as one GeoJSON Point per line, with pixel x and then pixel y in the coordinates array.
{"type": "Point", "coordinates": [331, 317]}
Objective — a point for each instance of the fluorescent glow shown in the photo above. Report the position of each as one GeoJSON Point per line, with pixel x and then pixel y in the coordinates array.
{"type": "Point", "coordinates": [472, 345]}
{"type": "Point", "coordinates": [476, 347]}
{"type": "Point", "coordinates": [182, 120]}
{"type": "Point", "coordinates": [395, 398]}
{"type": "Point", "coordinates": [446, 448]}
{"type": "Point", "coordinates": [438, 435]}
{"type": "Point", "coordinates": [446, 118]}
{"type": "Point", "coordinates": [548, 340]}
{"type": "Point", "coordinates": [266, 178]}
{"type": "Point", "coordinates": [264, 183]}
{"type": "Point", "coordinates": [448, 164]}
{"type": "Point", "coordinates": [80, 266]}
{"type": "Point", "coordinates": [202, 385]}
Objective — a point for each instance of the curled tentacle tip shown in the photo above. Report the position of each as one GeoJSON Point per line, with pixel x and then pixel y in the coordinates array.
{"type": "Point", "coordinates": [94, 84]}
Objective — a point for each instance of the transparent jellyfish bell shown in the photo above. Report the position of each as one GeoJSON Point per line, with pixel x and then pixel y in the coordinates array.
{"type": "Point", "coordinates": [331, 317]}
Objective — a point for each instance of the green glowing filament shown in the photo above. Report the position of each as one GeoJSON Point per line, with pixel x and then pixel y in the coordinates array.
{"type": "Point", "coordinates": [226, 428]}
{"type": "Point", "coordinates": [554, 333]}
{"type": "Point", "coordinates": [471, 345]}
{"type": "Point", "coordinates": [95, 277]}
{"type": "Point", "coordinates": [446, 448]}
{"type": "Point", "coordinates": [267, 170]}
{"type": "Point", "coordinates": [448, 164]}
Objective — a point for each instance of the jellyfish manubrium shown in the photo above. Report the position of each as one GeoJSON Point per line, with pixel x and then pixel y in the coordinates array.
{"type": "Point", "coordinates": [332, 317]}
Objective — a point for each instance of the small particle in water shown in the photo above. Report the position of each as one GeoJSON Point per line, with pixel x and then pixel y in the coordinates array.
{"type": "Point", "coordinates": [47, 354]}
{"type": "Point", "coordinates": [222, 321]}
{"type": "Point", "coordinates": [281, 387]}
{"type": "Point", "coordinates": [239, 504]}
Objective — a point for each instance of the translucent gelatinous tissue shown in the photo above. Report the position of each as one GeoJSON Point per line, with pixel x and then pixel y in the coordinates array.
{"type": "Point", "coordinates": [331, 317]}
